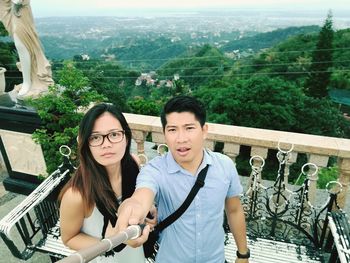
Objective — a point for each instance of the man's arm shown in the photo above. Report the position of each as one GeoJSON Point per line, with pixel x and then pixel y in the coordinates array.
{"type": "Point", "coordinates": [236, 221]}
{"type": "Point", "coordinates": [133, 211]}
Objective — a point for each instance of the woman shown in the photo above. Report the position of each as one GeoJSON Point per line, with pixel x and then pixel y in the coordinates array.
{"type": "Point", "coordinates": [106, 176]}
{"type": "Point", "coordinates": [17, 17]}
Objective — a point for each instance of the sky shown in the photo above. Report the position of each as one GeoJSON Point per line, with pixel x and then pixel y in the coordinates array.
{"type": "Point", "coordinates": [47, 8]}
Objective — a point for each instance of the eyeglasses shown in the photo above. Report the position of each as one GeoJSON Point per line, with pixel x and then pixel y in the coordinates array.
{"type": "Point", "coordinates": [113, 137]}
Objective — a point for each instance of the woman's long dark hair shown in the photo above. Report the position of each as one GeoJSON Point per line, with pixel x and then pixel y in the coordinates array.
{"type": "Point", "coordinates": [91, 178]}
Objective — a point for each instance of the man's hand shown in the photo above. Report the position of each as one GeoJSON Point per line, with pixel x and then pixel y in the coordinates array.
{"type": "Point", "coordinates": [140, 240]}
{"type": "Point", "coordinates": [152, 222]}
{"type": "Point", "coordinates": [131, 212]}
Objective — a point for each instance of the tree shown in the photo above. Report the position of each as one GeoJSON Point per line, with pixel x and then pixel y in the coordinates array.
{"type": "Point", "coordinates": [199, 67]}
{"type": "Point", "coordinates": [8, 60]}
{"type": "Point", "coordinates": [139, 105]}
{"type": "Point", "coordinates": [3, 31]}
{"type": "Point", "coordinates": [271, 103]}
{"type": "Point", "coordinates": [317, 83]}
{"type": "Point", "coordinates": [60, 111]}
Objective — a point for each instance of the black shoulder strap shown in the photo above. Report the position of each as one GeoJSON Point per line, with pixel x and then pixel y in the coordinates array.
{"type": "Point", "coordinates": [174, 216]}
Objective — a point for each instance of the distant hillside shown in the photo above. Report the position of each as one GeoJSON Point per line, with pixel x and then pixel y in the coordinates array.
{"type": "Point", "coordinates": [150, 49]}
{"type": "Point", "coordinates": [269, 39]}
{"type": "Point", "coordinates": [146, 54]}
{"type": "Point", "coordinates": [198, 67]}
{"type": "Point", "coordinates": [291, 59]}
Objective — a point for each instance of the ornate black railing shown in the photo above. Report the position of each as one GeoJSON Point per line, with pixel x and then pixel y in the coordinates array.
{"type": "Point", "coordinates": [284, 213]}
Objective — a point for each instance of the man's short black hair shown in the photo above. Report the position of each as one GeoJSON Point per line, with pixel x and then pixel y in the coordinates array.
{"type": "Point", "coordinates": [184, 104]}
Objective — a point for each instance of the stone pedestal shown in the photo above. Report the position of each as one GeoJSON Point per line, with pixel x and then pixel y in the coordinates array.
{"type": "Point", "coordinates": [23, 158]}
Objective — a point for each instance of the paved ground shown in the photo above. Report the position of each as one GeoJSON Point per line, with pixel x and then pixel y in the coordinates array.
{"type": "Point", "coordinates": [7, 202]}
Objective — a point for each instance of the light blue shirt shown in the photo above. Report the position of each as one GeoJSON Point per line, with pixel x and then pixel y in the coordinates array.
{"type": "Point", "coordinates": [197, 236]}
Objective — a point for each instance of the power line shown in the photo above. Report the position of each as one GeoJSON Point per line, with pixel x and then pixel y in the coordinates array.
{"type": "Point", "coordinates": [232, 74]}
{"type": "Point", "coordinates": [192, 57]}
{"type": "Point", "coordinates": [223, 66]}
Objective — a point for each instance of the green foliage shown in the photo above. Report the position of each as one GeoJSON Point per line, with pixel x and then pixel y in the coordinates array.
{"type": "Point", "coordinates": [141, 91]}
{"type": "Point", "coordinates": [289, 60]}
{"type": "Point", "coordinates": [165, 92]}
{"type": "Point", "coordinates": [271, 103]}
{"type": "Point", "coordinates": [321, 117]}
{"type": "Point", "coordinates": [8, 60]}
{"type": "Point", "coordinates": [144, 107]}
{"type": "Point", "coordinates": [327, 175]}
{"type": "Point", "coordinates": [259, 102]}
{"type": "Point", "coordinates": [3, 31]}
{"type": "Point", "coordinates": [268, 39]}
{"type": "Point", "coordinates": [111, 80]}
{"type": "Point", "coordinates": [292, 60]}
{"type": "Point", "coordinates": [61, 110]}
{"type": "Point", "coordinates": [148, 52]}
{"type": "Point", "coordinates": [340, 80]}
{"type": "Point", "coordinates": [319, 79]}
{"type": "Point", "coordinates": [7, 57]}
{"type": "Point", "coordinates": [202, 66]}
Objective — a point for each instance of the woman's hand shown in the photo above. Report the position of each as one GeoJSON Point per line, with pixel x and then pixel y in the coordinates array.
{"type": "Point", "coordinates": [110, 230]}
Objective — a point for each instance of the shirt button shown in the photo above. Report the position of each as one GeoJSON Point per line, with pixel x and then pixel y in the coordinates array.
{"type": "Point", "coordinates": [198, 215]}
{"type": "Point", "coordinates": [199, 233]}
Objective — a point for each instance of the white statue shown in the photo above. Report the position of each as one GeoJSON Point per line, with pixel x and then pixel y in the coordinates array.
{"type": "Point", "coordinates": [17, 17]}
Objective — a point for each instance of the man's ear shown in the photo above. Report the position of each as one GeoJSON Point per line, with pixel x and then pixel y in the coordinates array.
{"type": "Point", "coordinates": [205, 131]}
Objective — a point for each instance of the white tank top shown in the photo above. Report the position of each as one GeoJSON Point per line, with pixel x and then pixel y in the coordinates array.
{"type": "Point", "coordinates": [92, 226]}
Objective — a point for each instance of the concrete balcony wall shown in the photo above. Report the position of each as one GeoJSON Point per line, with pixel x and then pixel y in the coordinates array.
{"type": "Point", "coordinates": [25, 156]}
{"type": "Point", "coordinates": [318, 149]}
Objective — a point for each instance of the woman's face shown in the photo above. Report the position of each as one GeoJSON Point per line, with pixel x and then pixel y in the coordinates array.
{"type": "Point", "coordinates": [108, 153]}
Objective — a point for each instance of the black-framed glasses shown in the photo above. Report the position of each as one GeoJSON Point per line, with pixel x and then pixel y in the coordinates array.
{"type": "Point", "coordinates": [113, 137]}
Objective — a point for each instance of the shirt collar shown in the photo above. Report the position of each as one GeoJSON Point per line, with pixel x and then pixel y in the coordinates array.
{"type": "Point", "coordinates": [174, 167]}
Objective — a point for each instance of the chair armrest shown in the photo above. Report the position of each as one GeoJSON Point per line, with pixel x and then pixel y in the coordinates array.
{"type": "Point", "coordinates": [340, 229]}
{"type": "Point", "coordinates": [34, 215]}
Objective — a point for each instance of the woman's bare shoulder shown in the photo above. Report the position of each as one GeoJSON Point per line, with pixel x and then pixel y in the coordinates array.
{"type": "Point", "coordinates": [72, 196]}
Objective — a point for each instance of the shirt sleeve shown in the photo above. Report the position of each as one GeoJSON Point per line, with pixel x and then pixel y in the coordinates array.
{"type": "Point", "coordinates": [235, 188]}
{"type": "Point", "coordinates": [147, 178]}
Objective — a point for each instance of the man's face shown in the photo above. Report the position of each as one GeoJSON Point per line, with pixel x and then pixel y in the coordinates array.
{"type": "Point", "coordinates": [185, 139]}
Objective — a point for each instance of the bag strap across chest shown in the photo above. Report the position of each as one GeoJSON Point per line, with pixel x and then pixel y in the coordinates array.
{"type": "Point", "coordinates": [174, 216]}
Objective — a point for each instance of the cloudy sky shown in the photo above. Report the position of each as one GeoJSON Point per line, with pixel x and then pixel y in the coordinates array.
{"type": "Point", "coordinates": [107, 7]}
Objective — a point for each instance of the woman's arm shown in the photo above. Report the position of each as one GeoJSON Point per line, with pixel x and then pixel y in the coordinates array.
{"type": "Point", "coordinates": [72, 213]}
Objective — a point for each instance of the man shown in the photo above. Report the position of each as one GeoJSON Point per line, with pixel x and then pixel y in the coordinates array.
{"type": "Point", "coordinates": [198, 235]}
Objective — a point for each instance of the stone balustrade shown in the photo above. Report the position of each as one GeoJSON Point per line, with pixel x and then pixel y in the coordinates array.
{"type": "Point", "coordinates": [318, 149]}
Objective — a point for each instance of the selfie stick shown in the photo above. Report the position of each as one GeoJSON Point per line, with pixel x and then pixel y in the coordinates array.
{"type": "Point", "coordinates": [106, 244]}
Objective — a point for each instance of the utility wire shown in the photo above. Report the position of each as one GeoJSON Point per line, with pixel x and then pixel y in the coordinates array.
{"type": "Point", "coordinates": [195, 57]}
{"type": "Point", "coordinates": [218, 67]}
{"type": "Point", "coordinates": [231, 74]}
